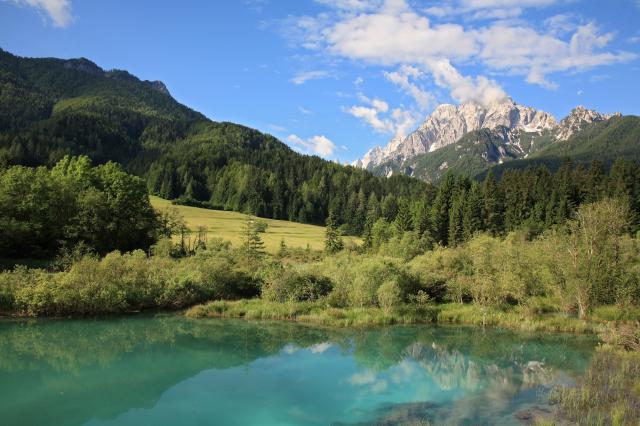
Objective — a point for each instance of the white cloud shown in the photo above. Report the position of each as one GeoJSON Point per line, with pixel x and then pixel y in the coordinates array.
{"type": "Point", "coordinates": [463, 88]}
{"type": "Point", "coordinates": [59, 11]}
{"type": "Point", "coordinates": [303, 77]}
{"type": "Point", "coordinates": [395, 35]}
{"type": "Point", "coordinates": [488, 4]}
{"type": "Point", "coordinates": [524, 51]}
{"type": "Point", "coordinates": [402, 78]}
{"type": "Point", "coordinates": [560, 24]}
{"type": "Point", "coordinates": [382, 119]}
{"type": "Point", "coordinates": [320, 145]}
{"type": "Point", "coordinates": [351, 5]}
{"type": "Point", "coordinates": [486, 9]}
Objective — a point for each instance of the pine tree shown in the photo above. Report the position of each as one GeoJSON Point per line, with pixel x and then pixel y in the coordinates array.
{"type": "Point", "coordinates": [456, 233]}
{"type": "Point", "coordinates": [333, 243]}
{"type": "Point", "coordinates": [252, 245]}
{"type": "Point", "coordinates": [493, 208]}
{"type": "Point", "coordinates": [283, 250]}
{"type": "Point", "coordinates": [390, 207]}
{"type": "Point", "coordinates": [373, 208]}
{"type": "Point", "coordinates": [367, 233]}
{"type": "Point", "coordinates": [472, 220]}
{"type": "Point", "coordinates": [440, 210]}
{"type": "Point", "coordinates": [403, 221]}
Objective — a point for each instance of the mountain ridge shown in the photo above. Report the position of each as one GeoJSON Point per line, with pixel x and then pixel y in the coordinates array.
{"type": "Point", "coordinates": [508, 131]}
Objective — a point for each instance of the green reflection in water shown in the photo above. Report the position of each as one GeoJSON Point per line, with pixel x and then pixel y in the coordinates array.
{"type": "Point", "coordinates": [173, 370]}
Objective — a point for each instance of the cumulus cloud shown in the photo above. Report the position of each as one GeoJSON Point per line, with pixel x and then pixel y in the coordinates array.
{"type": "Point", "coordinates": [303, 77]}
{"type": "Point", "coordinates": [522, 50]}
{"type": "Point", "coordinates": [376, 114]}
{"type": "Point", "coordinates": [402, 78]}
{"type": "Point", "coordinates": [59, 11]}
{"type": "Point", "coordinates": [320, 145]}
{"type": "Point", "coordinates": [560, 24]}
{"type": "Point", "coordinates": [394, 34]}
{"type": "Point", "coordinates": [464, 88]}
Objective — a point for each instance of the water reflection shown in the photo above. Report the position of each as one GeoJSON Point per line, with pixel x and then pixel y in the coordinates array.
{"type": "Point", "coordinates": [168, 370]}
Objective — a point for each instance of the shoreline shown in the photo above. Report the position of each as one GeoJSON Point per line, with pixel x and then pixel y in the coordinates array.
{"type": "Point", "coordinates": [443, 314]}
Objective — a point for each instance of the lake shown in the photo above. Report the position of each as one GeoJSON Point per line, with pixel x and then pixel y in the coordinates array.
{"type": "Point", "coordinates": [170, 370]}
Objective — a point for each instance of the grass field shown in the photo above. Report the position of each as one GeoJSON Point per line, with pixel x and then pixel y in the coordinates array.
{"type": "Point", "coordinates": [229, 226]}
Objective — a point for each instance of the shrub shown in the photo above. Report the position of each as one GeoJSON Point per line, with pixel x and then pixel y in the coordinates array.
{"type": "Point", "coordinates": [285, 284]}
{"type": "Point", "coordinates": [389, 295]}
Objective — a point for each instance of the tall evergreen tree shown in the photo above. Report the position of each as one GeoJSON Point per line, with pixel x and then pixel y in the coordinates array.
{"type": "Point", "coordinates": [456, 213]}
{"type": "Point", "coordinates": [403, 221]}
{"type": "Point", "coordinates": [333, 242]}
{"type": "Point", "coordinates": [440, 210]}
{"type": "Point", "coordinates": [252, 244]}
{"type": "Point", "coordinates": [472, 220]}
{"type": "Point", "coordinates": [493, 205]}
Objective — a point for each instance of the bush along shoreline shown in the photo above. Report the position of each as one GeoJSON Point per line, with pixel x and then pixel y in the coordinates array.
{"type": "Point", "coordinates": [571, 279]}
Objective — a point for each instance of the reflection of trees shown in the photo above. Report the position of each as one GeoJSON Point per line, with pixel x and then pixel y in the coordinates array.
{"type": "Point", "coordinates": [74, 370]}
{"type": "Point", "coordinates": [67, 368]}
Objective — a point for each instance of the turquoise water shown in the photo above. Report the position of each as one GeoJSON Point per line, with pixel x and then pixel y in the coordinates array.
{"type": "Point", "coordinates": [169, 370]}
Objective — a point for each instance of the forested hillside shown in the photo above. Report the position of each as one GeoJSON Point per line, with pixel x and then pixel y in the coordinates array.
{"type": "Point", "coordinates": [50, 108]}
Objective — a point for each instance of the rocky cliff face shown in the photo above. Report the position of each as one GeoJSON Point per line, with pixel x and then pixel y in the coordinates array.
{"type": "Point", "coordinates": [517, 126]}
{"type": "Point", "coordinates": [577, 120]}
{"type": "Point", "coordinates": [449, 123]}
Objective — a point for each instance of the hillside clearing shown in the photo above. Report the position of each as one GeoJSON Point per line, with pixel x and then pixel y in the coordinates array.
{"type": "Point", "coordinates": [229, 225]}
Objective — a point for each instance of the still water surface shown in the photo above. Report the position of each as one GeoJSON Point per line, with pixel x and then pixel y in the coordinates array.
{"type": "Point", "coordinates": [169, 370]}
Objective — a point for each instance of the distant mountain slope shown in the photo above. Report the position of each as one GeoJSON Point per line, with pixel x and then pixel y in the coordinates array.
{"type": "Point", "coordinates": [478, 150]}
{"type": "Point", "coordinates": [605, 141]}
{"type": "Point", "coordinates": [50, 108]}
{"type": "Point", "coordinates": [449, 123]}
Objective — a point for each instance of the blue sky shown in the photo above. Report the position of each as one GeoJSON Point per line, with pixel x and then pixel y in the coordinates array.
{"type": "Point", "coordinates": [336, 77]}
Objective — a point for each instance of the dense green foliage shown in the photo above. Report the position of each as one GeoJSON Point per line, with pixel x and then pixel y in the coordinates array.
{"type": "Point", "coordinates": [123, 283]}
{"type": "Point", "coordinates": [533, 198]}
{"type": "Point", "coordinates": [50, 108]}
{"type": "Point", "coordinates": [102, 208]}
{"type": "Point", "coordinates": [573, 270]}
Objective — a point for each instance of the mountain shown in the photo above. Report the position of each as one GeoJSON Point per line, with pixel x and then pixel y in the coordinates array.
{"type": "Point", "coordinates": [604, 140]}
{"type": "Point", "coordinates": [52, 107]}
{"type": "Point", "coordinates": [469, 139]}
{"type": "Point", "coordinates": [449, 123]}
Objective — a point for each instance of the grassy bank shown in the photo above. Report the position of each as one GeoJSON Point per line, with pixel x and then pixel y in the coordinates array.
{"type": "Point", "coordinates": [451, 313]}
{"type": "Point", "coordinates": [609, 394]}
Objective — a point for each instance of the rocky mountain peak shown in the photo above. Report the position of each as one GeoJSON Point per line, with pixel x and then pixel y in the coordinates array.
{"type": "Point", "coordinates": [159, 86]}
{"type": "Point", "coordinates": [84, 65]}
{"type": "Point", "coordinates": [448, 123]}
{"type": "Point", "coordinates": [577, 120]}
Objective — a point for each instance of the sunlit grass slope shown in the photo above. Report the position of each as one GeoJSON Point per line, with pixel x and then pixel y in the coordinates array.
{"type": "Point", "coordinates": [229, 225]}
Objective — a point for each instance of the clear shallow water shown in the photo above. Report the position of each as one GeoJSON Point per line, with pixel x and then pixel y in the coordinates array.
{"type": "Point", "coordinates": [169, 370]}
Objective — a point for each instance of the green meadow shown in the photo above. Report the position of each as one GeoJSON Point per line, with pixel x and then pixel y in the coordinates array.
{"type": "Point", "coordinates": [229, 226]}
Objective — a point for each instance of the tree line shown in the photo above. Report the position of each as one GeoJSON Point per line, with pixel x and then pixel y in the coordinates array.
{"type": "Point", "coordinates": [534, 199]}
{"type": "Point", "coordinates": [43, 211]}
